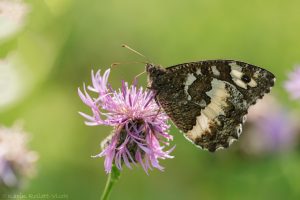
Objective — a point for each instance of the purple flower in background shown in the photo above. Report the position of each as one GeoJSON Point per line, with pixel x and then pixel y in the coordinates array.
{"type": "Point", "coordinates": [270, 128]}
{"type": "Point", "coordinates": [139, 126]}
{"type": "Point", "coordinates": [292, 85]}
{"type": "Point", "coordinates": [16, 161]}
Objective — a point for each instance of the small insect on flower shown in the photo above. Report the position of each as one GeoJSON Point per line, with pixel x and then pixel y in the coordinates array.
{"type": "Point", "coordinates": [292, 85]}
{"type": "Point", "coordinates": [139, 127]}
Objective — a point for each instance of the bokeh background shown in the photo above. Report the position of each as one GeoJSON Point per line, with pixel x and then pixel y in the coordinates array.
{"type": "Point", "coordinates": [60, 41]}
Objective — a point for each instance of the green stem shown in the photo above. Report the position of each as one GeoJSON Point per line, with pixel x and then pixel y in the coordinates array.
{"type": "Point", "coordinates": [112, 178]}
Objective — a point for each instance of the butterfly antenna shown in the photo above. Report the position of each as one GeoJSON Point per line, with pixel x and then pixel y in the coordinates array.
{"type": "Point", "coordinates": [126, 63]}
{"type": "Point", "coordinates": [134, 51]}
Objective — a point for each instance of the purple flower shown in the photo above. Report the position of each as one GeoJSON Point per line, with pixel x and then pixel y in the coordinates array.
{"type": "Point", "coordinates": [292, 85]}
{"type": "Point", "coordinates": [16, 161]}
{"type": "Point", "coordinates": [270, 128]}
{"type": "Point", "coordinates": [139, 127]}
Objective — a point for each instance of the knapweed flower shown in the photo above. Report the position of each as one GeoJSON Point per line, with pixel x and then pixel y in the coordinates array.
{"type": "Point", "coordinates": [292, 85]}
{"type": "Point", "coordinates": [12, 16]}
{"type": "Point", "coordinates": [139, 126]}
{"type": "Point", "coordinates": [270, 128]}
{"type": "Point", "coordinates": [16, 160]}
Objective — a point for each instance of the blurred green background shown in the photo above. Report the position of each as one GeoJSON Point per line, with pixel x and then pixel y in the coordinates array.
{"type": "Point", "coordinates": [63, 40]}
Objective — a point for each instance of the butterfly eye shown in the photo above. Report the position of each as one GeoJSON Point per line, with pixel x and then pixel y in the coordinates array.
{"type": "Point", "coordinates": [246, 78]}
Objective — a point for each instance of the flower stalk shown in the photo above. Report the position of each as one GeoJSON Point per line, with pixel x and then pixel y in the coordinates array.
{"type": "Point", "coordinates": [112, 178]}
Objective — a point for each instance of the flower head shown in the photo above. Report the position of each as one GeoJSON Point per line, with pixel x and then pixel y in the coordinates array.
{"type": "Point", "coordinates": [270, 128]}
{"type": "Point", "coordinates": [292, 85]}
{"type": "Point", "coordinates": [12, 16]}
{"type": "Point", "coordinates": [16, 161]}
{"type": "Point", "coordinates": [139, 127]}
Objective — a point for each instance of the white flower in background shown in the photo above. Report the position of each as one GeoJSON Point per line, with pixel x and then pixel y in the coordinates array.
{"type": "Point", "coordinates": [14, 80]}
{"type": "Point", "coordinates": [12, 17]}
{"type": "Point", "coordinates": [16, 161]}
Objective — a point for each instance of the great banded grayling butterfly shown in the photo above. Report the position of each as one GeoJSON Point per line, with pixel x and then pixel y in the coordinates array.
{"type": "Point", "coordinates": [208, 100]}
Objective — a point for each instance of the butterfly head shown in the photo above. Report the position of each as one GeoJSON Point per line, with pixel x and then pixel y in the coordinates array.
{"type": "Point", "coordinates": [154, 74]}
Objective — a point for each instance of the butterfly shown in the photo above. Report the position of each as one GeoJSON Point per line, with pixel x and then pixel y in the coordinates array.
{"type": "Point", "coordinates": [209, 100]}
